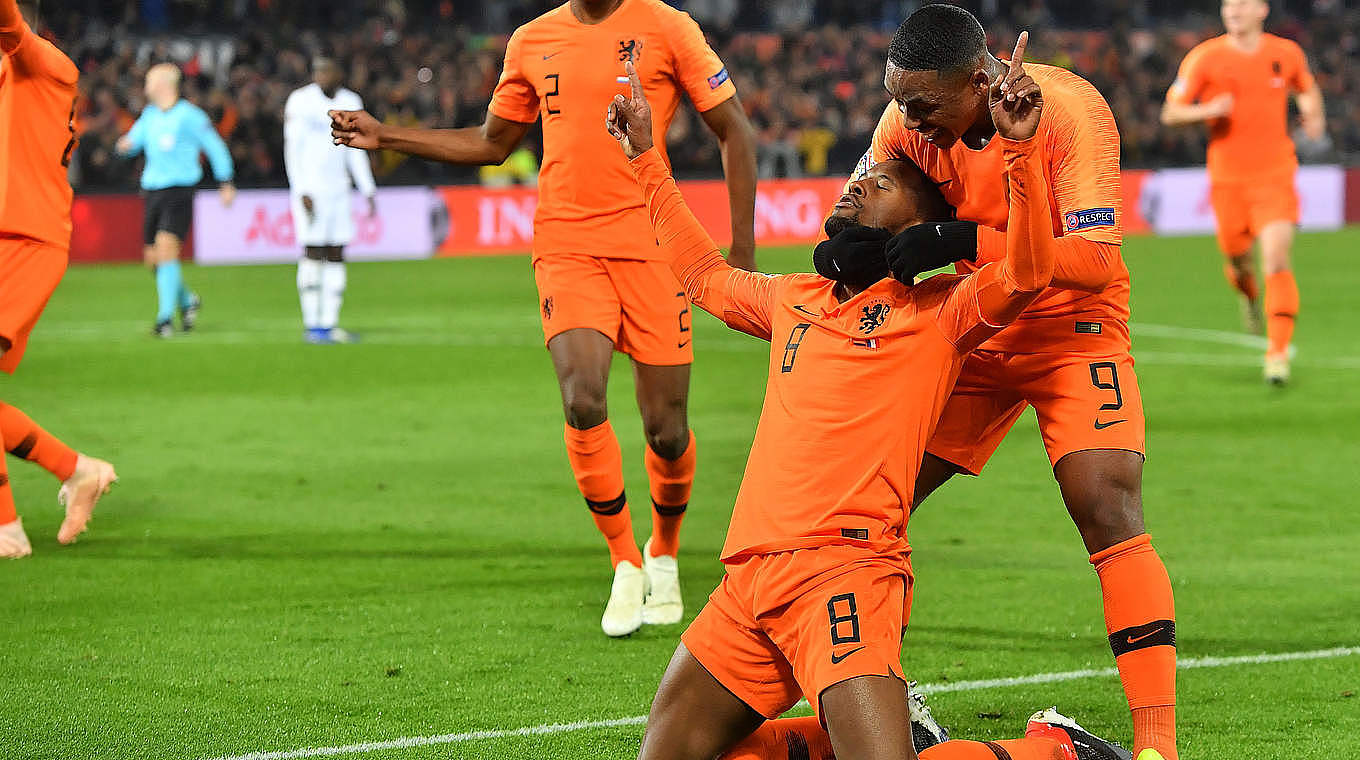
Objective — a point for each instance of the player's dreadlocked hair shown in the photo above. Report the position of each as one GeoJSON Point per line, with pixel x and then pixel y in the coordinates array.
{"type": "Point", "coordinates": [942, 38]}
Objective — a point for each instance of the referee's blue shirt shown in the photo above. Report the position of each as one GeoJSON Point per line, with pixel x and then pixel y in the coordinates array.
{"type": "Point", "coordinates": [172, 140]}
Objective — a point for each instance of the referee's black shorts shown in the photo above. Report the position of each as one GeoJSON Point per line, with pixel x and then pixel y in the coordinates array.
{"type": "Point", "coordinates": [170, 210]}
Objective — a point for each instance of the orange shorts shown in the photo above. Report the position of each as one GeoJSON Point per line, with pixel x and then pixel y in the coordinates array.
{"type": "Point", "coordinates": [29, 272]}
{"type": "Point", "coordinates": [1241, 209]}
{"type": "Point", "coordinates": [639, 305]}
{"type": "Point", "coordinates": [788, 625]}
{"type": "Point", "coordinates": [1083, 401]}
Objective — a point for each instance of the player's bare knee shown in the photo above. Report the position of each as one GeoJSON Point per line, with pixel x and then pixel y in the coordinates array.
{"type": "Point", "coordinates": [668, 438]}
{"type": "Point", "coordinates": [583, 402]}
{"type": "Point", "coordinates": [1104, 495]}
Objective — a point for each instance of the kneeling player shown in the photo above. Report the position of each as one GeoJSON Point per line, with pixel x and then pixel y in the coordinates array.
{"type": "Point", "coordinates": [818, 584]}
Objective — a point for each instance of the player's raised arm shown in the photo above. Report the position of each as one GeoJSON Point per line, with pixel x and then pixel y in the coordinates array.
{"type": "Point", "coordinates": [744, 300]}
{"type": "Point", "coordinates": [489, 144]}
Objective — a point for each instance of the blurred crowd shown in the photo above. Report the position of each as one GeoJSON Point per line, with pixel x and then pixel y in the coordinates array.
{"type": "Point", "coordinates": [809, 72]}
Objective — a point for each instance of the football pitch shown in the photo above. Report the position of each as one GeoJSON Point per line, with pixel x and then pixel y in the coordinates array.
{"type": "Point", "coordinates": [340, 547]}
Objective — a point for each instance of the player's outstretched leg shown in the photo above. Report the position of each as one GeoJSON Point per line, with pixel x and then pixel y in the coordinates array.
{"type": "Point", "coordinates": [581, 359]}
{"type": "Point", "coordinates": [785, 738]}
{"type": "Point", "coordinates": [1103, 492]}
{"type": "Point", "coordinates": [663, 398]}
{"type": "Point", "coordinates": [13, 541]}
{"type": "Point", "coordinates": [693, 716]}
{"type": "Point", "coordinates": [1240, 272]}
{"type": "Point", "coordinates": [84, 479]}
{"type": "Point", "coordinates": [1282, 299]}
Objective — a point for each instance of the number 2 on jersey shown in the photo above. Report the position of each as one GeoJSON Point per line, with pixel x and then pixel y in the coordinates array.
{"type": "Point", "coordinates": [556, 90]}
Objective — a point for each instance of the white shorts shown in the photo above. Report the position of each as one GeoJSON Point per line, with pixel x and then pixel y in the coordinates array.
{"type": "Point", "coordinates": [330, 223]}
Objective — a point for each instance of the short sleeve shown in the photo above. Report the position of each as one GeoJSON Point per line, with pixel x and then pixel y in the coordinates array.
{"type": "Point", "coordinates": [1083, 169]}
{"type": "Point", "coordinates": [1191, 78]}
{"type": "Point", "coordinates": [696, 67]}
{"type": "Point", "coordinates": [514, 98]}
{"type": "Point", "coordinates": [1300, 76]}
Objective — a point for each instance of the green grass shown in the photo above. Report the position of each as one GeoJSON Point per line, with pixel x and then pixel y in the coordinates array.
{"type": "Point", "coordinates": [318, 546]}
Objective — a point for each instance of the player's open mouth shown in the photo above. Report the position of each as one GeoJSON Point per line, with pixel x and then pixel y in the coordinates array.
{"type": "Point", "coordinates": [847, 201]}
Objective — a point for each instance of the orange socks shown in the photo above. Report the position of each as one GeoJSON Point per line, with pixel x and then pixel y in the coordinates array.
{"type": "Point", "coordinates": [1282, 307]}
{"type": "Point", "coordinates": [24, 439]}
{"type": "Point", "coordinates": [783, 739]}
{"type": "Point", "coordinates": [597, 464]}
{"type": "Point", "coordinates": [1243, 281]}
{"type": "Point", "coordinates": [1140, 616]}
{"type": "Point", "coordinates": [671, 480]}
{"type": "Point", "coordinates": [7, 513]}
{"type": "Point", "coordinates": [1029, 748]}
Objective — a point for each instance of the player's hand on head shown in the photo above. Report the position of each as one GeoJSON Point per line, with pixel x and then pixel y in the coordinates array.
{"type": "Point", "coordinates": [629, 119]}
{"type": "Point", "coordinates": [1015, 98]}
{"type": "Point", "coordinates": [357, 129]}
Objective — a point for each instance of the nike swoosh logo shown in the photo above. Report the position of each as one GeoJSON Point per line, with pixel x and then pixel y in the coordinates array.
{"type": "Point", "coordinates": [1102, 425]}
{"type": "Point", "coordinates": [546, 57]}
{"type": "Point", "coordinates": [837, 660]}
{"type": "Point", "coordinates": [937, 231]}
{"type": "Point", "coordinates": [682, 344]}
{"type": "Point", "coordinates": [1133, 640]}
{"type": "Point", "coordinates": [799, 307]}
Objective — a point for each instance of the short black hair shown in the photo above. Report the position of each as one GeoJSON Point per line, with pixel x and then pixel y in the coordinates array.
{"type": "Point", "coordinates": [930, 202]}
{"type": "Point", "coordinates": [944, 38]}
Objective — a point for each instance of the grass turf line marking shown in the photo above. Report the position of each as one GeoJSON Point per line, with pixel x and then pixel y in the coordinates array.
{"type": "Point", "coordinates": [409, 742]}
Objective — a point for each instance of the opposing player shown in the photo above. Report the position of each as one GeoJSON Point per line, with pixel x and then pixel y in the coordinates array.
{"type": "Point", "coordinates": [602, 284]}
{"type": "Point", "coordinates": [173, 132]}
{"type": "Point", "coordinates": [1239, 84]}
{"type": "Point", "coordinates": [37, 135]}
{"type": "Point", "coordinates": [319, 178]}
{"type": "Point", "coordinates": [818, 579]}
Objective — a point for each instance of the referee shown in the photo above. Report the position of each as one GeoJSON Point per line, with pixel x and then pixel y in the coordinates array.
{"type": "Point", "coordinates": [172, 132]}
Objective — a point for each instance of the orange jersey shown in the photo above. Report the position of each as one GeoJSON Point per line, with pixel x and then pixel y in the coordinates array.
{"type": "Point", "coordinates": [568, 72]}
{"type": "Point", "coordinates": [1080, 155]}
{"type": "Point", "coordinates": [1253, 141]}
{"type": "Point", "coordinates": [855, 389]}
{"type": "Point", "coordinates": [37, 133]}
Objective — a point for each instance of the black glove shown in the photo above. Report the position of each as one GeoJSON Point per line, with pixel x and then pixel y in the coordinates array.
{"type": "Point", "coordinates": [853, 256]}
{"type": "Point", "coordinates": [923, 247]}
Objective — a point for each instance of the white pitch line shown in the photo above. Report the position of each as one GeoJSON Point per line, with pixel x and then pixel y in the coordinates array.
{"type": "Point", "coordinates": [409, 742]}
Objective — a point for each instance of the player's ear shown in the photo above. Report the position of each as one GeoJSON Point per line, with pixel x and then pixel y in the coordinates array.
{"type": "Point", "coordinates": [981, 81]}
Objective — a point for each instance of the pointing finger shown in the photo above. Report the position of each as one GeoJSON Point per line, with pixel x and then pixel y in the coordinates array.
{"type": "Point", "coordinates": [1018, 57]}
{"type": "Point", "coordinates": [633, 80]}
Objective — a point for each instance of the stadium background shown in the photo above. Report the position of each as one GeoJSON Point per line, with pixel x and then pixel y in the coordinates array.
{"type": "Point", "coordinates": [316, 547]}
{"type": "Point", "coordinates": [809, 74]}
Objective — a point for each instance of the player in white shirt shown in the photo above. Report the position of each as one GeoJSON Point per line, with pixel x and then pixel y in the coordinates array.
{"type": "Point", "coordinates": [319, 178]}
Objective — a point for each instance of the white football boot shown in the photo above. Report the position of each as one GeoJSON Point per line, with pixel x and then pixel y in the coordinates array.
{"type": "Point", "coordinates": [80, 493]}
{"type": "Point", "coordinates": [663, 605]}
{"type": "Point", "coordinates": [1276, 369]}
{"type": "Point", "coordinates": [14, 541]}
{"type": "Point", "coordinates": [623, 613]}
